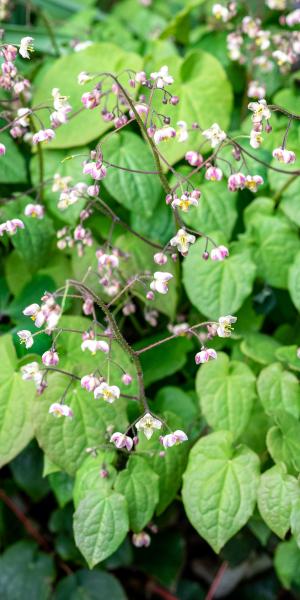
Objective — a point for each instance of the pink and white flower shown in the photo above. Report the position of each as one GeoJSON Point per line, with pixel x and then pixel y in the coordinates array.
{"type": "Point", "coordinates": [173, 439]}
{"type": "Point", "coordinates": [25, 337]}
{"type": "Point", "coordinates": [121, 440]}
{"type": "Point", "coordinates": [205, 355]}
{"type": "Point", "coordinates": [213, 174]}
{"type": "Point", "coordinates": [160, 282]}
{"type": "Point", "coordinates": [91, 99]}
{"type": "Point", "coordinates": [293, 18]}
{"type": "Point", "coordinates": [160, 258]}
{"type": "Point", "coordinates": [2, 149]}
{"type": "Point", "coordinates": [26, 47]}
{"type": "Point", "coordinates": [256, 139]}
{"type": "Point", "coordinates": [141, 77]}
{"type": "Point", "coordinates": [219, 253]}
{"type": "Point", "coordinates": [184, 202]}
{"type": "Point", "coordinates": [284, 156]}
{"type": "Point", "coordinates": [236, 181]}
{"type": "Point", "coordinates": [94, 345]}
{"type": "Point", "coordinates": [182, 240]}
{"type": "Point", "coordinates": [260, 110]}
{"type": "Point", "coordinates": [148, 424]}
{"type": "Point", "coordinates": [253, 181]}
{"type": "Point", "coordinates": [50, 358]}
{"type": "Point", "coordinates": [182, 133]}
{"type": "Point", "coordinates": [89, 382]}
{"type": "Point", "coordinates": [11, 226]}
{"type": "Point", "coordinates": [214, 135]}
{"type": "Point", "coordinates": [164, 134]}
{"type": "Point", "coordinates": [162, 77]}
{"type": "Point", "coordinates": [141, 539]}
{"type": "Point", "coordinates": [34, 210]}
{"type": "Point", "coordinates": [31, 372]}
{"type": "Point", "coordinates": [44, 135]}
{"type": "Point", "coordinates": [256, 90]}
{"type": "Point", "coordinates": [194, 158]}
{"type": "Point", "coordinates": [60, 410]}
{"type": "Point", "coordinates": [127, 379]}
{"type": "Point", "coordinates": [224, 328]}
{"type": "Point", "coordinates": [109, 393]}
{"type": "Point", "coordinates": [95, 169]}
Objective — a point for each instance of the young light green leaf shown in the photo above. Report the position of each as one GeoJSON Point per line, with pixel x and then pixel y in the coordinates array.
{"type": "Point", "coordinates": [226, 391]}
{"type": "Point", "coordinates": [288, 355]}
{"type": "Point", "coordinates": [219, 487]}
{"type": "Point", "coordinates": [139, 484]}
{"type": "Point", "coordinates": [16, 397]}
{"type": "Point", "coordinates": [283, 441]}
{"type": "Point", "coordinates": [294, 281]}
{"type": "Point", "coordinates": [295, 519]}
{"type": "Point", "coordinates": [65, 440]}
{"type": "Point", "coordinates": [279, 390]}
{"type": "Point", "coordinates": [100, 525]}
{"type": "Point", "coordinates": [89, 476]}
{"type": "Point", "coordinates": [260, 347]}
{"type": "Point", "coordinates": [137, 192]}
{"type": "Point", "coordinates": [276, 494]}
{"type": "Point", "coordinates": [218, 288]}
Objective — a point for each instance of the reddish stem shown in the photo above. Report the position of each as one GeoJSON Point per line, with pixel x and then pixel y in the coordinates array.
{"type": "Point", "coordinates": [216, 582]}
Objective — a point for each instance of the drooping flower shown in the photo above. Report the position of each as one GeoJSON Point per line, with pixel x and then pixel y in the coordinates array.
{"type": "Point", "coordinates": [293, 18]}
{"type": "Point", "coordinates": [94, 345]}
{"type": "Point", "coordinates": [60, 410]}
{"type": "Point", "coordinates": [284, 155]}
{"type": "Point", "coordinates": [50, 358]}
{"type": "Point", "coordinates": [89, 382]}
{"type": "Point", "coordinates": [179, 329]}
{"type": "Point", "coordinates": [11, 226]}
{"type": "Point", "coordinates": [213, 174]}
{"type": "Point", "coordinates": [109, 393]}
{"type": "Point", "coordinates": [2, 149]}
{"type": "Point", "coordinates": [182, 240]}
{"type": "Point", "coordinates": [256, 90]}
{"type": "Point", "coordinates": [25, 337]}
{"type": "Point", "coordinates": [260, 110]}
{"type": "Point", "coordinates": [34, 210]}
{"type": "Point", "coordinates": [141, 539]}
{"type": "Point", "coordinates": [127, 379]}
{"type": "Point", "coordinates": [164, 134]}
{"type": "Point", "coordinates": [256, 139]}
{"type": "Point", "coordinates": [236, 181]}
{"type": "Point", "coordinates": [26, 47]}
{"type": "Point", "coordinates": [121, 440]}
{"type": "Point", "coordinates": [252, 182]}
{"type": "Point", "coordinates": [32, 371]}
{"type": "Point", "coordinates": [219, 253]}
{"type": "Point", "coordinates": [44, 135]}
{"type": "Point", "coordinates": [182, 133]}
{"type": "Point", "coordinates": [214, 134]}
{"type": "Point", "coordinates": [225, 326]}
{"type": "Point", "coordinates": [160, 258]}
{"type": "Point", "coordinates": [205, 355]}
{"type": "Point", "coordinates": [185, 202]}
{"type": "Point", "coordinates": [194, 158]}
{"type": "Point", "coordinates": [220, 12]}
{"type": "Point", "coordinates": [282, 58]}
{"type": "Point", "coordinates": [148, 424]}
{"type": "Point", "coordinates": [162, 77]}
{"type": "Point", "coordinates": [174, 439]}
{"type": "Point", "coordinates": [160, 282]}
{"type": "Point", "coordinates": [96, 169]}
{"type": "Point", "coordinates": [91, 99]}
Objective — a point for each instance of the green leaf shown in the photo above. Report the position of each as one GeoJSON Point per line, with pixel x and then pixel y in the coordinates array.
{"type": "Point", "coordinates": [216, 210]}
{"type": "Point", "coordinates": [139, 484]}
{"type": "Point", "coordinates": [287, 563]}
{"type": "Point", "coordinates": [288, 355]}
{"type": "Point", "coordinates": [159, 363]}
{"type": "Point", "coordinates": [295, 519]}
{"type": "Point", "coordinates": [140, 260]}
{"type": "Point", "coordinates": [65, 440]}
{"type": "Point", "coordinates": [168, 467]}
{"type": "Point", "coordinates": [276, 245]}
{"type": "Point", "coordinates": [62, 487]}
{"type": "Point", "coordinates": [12, 164]}
{"type": "Point", "coordinates": [279, 389]}
{"type": "Point", "coordinates": [219, 487]}
{"type": "Point", "coordinates": [137, 192]}
{"type": "Point", "coordinates": [294, 281]}
{"type": "Point", "coordinates": [16, 397]}
{"type": "Point", "coordinates": [25, 572]}
{"type": "Point", "coordinates": [255, 433]}
{"type": "Point", "coordinates": [260, 347]}
{"type": "Point", "coordinates": [88, 477]}
{"type": "Point", "coordinates": [226, 391]}
{"type": "Point", "coordinates": [200, 81]}
{"type": "Point", "coordinates": [283, 441]}
{"type": "Point", "coordinates": [100, 525]}
{"type": "Point", "coordinates": [63, 74]}
{"type": "Point", "coordinates": [217, 288]}
{"type": "Point", "coordinates": [171, 398]}
{"type": "Point", "coordinates": [27, 470]}
{"type": "Point", "coordinates": [90, 585]}
{"type": "Point", "coordinates": [276, 494]}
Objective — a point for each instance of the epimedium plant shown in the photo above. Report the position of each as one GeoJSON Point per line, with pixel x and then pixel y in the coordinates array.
{"type": "Point", "coordinates": [84, 381]}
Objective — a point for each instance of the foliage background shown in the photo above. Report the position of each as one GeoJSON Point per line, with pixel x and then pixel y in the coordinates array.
{"type": "Point", "coordinates": [251, 392]}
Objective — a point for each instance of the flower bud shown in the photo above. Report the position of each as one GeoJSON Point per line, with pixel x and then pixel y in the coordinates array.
{"type": "Point", "coordinates": [174, 100]}
{"type": "Point", "coordinates": [205, 255]}
{"type": "Point", "coordinates": [127, 379]}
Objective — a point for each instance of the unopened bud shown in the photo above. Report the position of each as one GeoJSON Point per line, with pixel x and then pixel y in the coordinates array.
{"type": "Point", "coordinates": [150, 296]}
{"type": "Point", "coordinates": [174, 100]}
{"type": "Point", "coordinates": [205, 255]}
